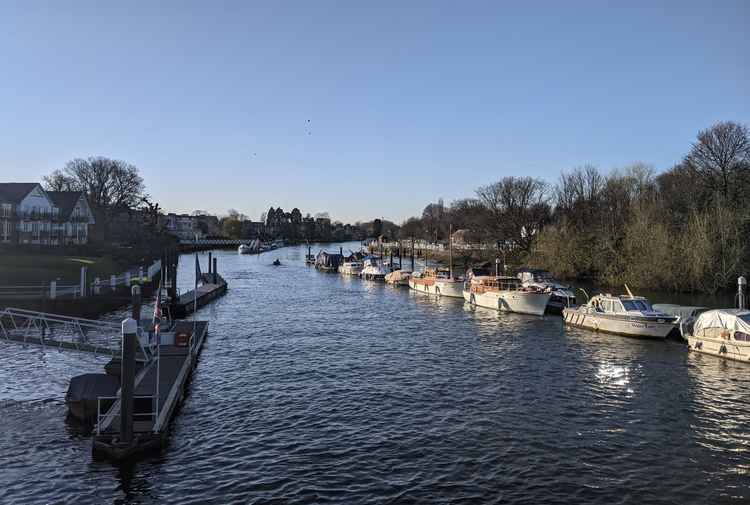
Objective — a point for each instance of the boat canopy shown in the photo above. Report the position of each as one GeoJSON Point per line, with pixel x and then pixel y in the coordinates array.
{"type": "Point", "coordinates": [728, 319]}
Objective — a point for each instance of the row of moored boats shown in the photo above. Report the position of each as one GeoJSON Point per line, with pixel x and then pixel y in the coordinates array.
{"type": "Point", "coordinates": [720, 332]}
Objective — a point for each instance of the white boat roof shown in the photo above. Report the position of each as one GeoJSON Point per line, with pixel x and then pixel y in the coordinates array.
{"type": "Point", "coordinates": [729, 319]}
{"type": "Point", "coordinates": [618, 297]}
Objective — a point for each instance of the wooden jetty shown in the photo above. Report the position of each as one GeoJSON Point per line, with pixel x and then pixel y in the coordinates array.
{"type": "Point", "coordinates": [138, 420]}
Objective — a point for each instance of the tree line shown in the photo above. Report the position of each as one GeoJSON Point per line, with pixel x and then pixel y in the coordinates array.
{"type": "Point", "coordinates": [681, 230]}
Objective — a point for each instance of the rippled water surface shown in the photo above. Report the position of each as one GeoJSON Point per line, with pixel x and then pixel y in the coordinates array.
{"type": "Point", "coordinates": [314, 388]}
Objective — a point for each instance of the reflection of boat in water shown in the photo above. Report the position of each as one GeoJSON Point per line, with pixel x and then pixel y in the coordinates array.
{"type": "Point", "coordinates": [437, 282]}
{"type": "Point", "coordinates": [398, 278]}
{"type": "Point", "coordinates": [505, 294]}
{"type": "Point", "coordinates": [374, 270]}
{"type": "Point", "coordinates": [627, 315]}
{"type": "Point", "coordinates": [562, 295]}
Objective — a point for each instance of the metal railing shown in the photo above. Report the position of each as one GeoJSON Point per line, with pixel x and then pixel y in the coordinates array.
{"type": "Point", "coordinates": [68, 333]}
{"type": "Point", "coordinates": [114, 409]}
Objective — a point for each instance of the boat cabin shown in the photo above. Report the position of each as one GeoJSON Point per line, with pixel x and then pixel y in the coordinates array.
{"type": "Point", "coordinates": [535, 275]}
{"type": "Point", "coordinates": [622, 304]}
{"type": "Point", "coordinates": [483, 283]}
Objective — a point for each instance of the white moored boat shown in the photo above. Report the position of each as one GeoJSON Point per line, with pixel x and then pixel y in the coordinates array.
{"type": "Point", "coordinates": [437, 282]}
{"type": "Point", "coordinates": [627, 315]}
{"type": "Point", "coordinates": [562, 295]}
{"type": "Point", "coordinates": [505, 294]}
{"type": "Point", "coordinates": [723, 332]}
{"type": "Point", "coordinates": [398, 278]}
{"type": "Point", "coordinates": [374, 270]}
{"type": "Point", "coordinates": [351, 268]}
{"type": "Point", "coordinates": [244, 249]}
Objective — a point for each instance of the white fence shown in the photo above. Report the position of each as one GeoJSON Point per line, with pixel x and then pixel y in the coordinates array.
{"type": "Point", "coordinates": [423, 245]}
{"type": "Point", "coordinates": [85, 287]}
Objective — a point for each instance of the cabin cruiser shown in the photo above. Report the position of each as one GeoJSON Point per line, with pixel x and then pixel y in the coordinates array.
{"type": "Point", "coordinates": [627, 315]}
{"type": "Point", "coordinates": [351, 268]}
{"type": "Point", "coordinates": [374, 270]}
{"type": "Point", "coordinates": [505, 294]}
{"type": "Point", "coordinates": [327, 262]}
{"type": "Point", "coordinates": [723, 332]}
{"type": "Point", "coordinates": [562, 295]}
{"type": "Point", "coordinates": [438, 282]}
{"type": "Point", "coordinates": [398, 278]}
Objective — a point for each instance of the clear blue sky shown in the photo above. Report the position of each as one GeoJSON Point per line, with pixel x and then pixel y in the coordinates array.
{"type": "Point", "coordinates": [407, 103]}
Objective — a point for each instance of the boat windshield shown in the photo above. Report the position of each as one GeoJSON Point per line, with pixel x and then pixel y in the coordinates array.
{"type": "Point", "coordinates": [641, 305]}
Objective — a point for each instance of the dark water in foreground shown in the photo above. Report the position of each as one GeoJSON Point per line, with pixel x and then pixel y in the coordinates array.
{"type": "Point", "coordinates": [314, 388]}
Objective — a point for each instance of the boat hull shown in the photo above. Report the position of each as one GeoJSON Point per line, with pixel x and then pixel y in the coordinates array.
{"type": "Point", "coordinates": [522, 302]}
{"type": "Point", "coordinates": [729, 349]}
{"type": "Point", "coordinates": [618, 325]}
{"type": "Point", "coordinates": [345, 270]}
{"type": "Point", "coordinates": [438, 287]}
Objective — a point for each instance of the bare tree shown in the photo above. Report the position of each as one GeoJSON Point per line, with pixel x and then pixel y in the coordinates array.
{"type": "Point", "coordinates": [108, 183]}
{"type": "Point", "coordinates": [518, 207]}
{"type": "Point", "coordinates": [58, 181]}
{"type": "Point", "coordinates": [721, 160]}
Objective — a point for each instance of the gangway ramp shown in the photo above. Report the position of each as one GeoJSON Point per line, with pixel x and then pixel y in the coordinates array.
{"type": "Point", "coordinates": [56, 331]}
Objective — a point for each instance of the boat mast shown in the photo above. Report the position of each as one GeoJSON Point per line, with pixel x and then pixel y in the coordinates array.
{"type": "Point", "coordinates": [450, 249]}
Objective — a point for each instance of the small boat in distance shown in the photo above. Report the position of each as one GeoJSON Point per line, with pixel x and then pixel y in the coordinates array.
{"type": "Point", "coordinates": [374, 270]}
{"type": "Point", "coordinates": [398, 278]}
{"type": "Point", "coordinates": [351, 268]}
{"type": "Point", "coordinates": [244, 249]}
{"type": "Point", "coordinates": [627, 315]}
{"type": "Point", "coordinates": [276, 262]}
{"type": "Point", "coordinates": [437, 281]}
{"type": "Point", "coordinates": [562, 295]}
{"type": "Point", "coordinates": [505, 294]}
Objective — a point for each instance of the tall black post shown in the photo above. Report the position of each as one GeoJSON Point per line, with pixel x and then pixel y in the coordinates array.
{"type": "Point", "coordinates": [135, 291]}
{"type": "Point", "coordinates": [412, 254]}
{"type": "Point", "coordinates": [209, 262]}
{"type": "Point", "coordinates": [215, 272]}
{"type": "Point", "coordinates": [173, 276]}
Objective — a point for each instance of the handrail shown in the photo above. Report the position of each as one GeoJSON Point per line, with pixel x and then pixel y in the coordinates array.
{"type": "Point", "coordinates": [153, 414]}
{"type": "Point", "coordinates": [115, 408]}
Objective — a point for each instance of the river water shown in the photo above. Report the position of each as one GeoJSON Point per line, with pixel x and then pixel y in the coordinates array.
{"type": "Point", "coordinates": [313, 388]}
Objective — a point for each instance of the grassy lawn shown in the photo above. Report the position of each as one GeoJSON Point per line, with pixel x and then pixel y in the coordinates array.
{"type": "Point", "coordinates": [37, 268]}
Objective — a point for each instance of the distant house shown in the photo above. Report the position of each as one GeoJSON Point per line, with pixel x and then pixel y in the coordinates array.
{"type": "Point", "coordinates": [31, 215]}
{"type": "Point", "coordinates": [183, 226]}
{"type": "Point", "coordinates": [253, 229]}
